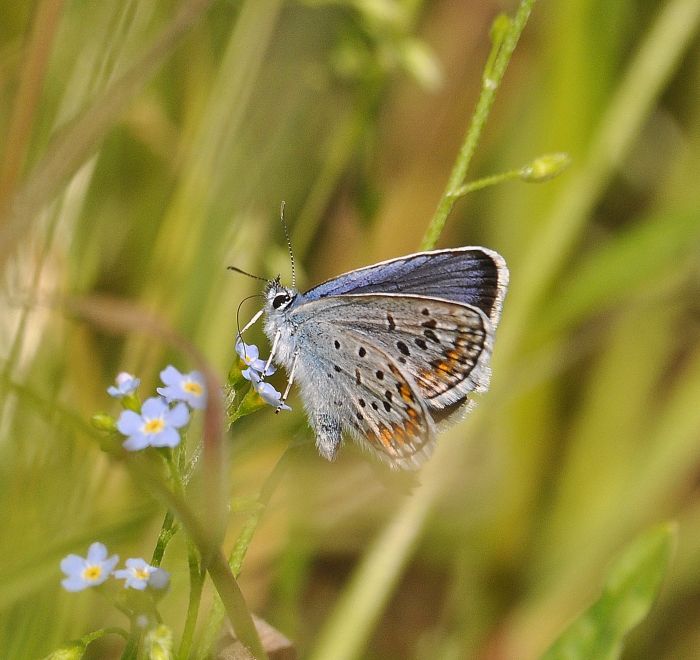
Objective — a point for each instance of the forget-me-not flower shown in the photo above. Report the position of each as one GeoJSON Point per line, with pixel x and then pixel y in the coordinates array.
{"type": "Point", "coordinates": [136, 574]}
{"type": "Point", "coordinates": [126, 384]}
{"type": "Point", "coordinates": [159, 579]}
{"type": "Point", "coordinates": [156, 426]}
{"type": "Point", "coordinates": [84, 572]}
{"type": "Point", "coordinates": [250, 354]}
{"type": "Point", "coordinates": [189, 387]}
{"type": "Point", "coordinates": [266, 391]}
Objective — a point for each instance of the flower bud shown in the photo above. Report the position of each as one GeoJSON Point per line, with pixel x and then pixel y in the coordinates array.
{"type": "Point", "coordinates": [69, 651]}
{"type": "Point", "coordinates": [159, 643]}
{"type": "Point", "coordinates": [104, 422]}
{"type": "Point", "coordinates": [545, 167]}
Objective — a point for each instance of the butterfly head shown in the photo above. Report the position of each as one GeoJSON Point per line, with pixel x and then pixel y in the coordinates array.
{"type": "Point", "coordinates": [278, 297]}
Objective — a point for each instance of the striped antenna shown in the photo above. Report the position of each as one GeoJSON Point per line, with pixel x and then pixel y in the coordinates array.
{"type": "Point", "coordinates": [289, 245]}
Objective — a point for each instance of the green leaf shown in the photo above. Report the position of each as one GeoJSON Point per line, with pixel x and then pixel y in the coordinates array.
{"type": "Point", "coordinates": [629, 592]}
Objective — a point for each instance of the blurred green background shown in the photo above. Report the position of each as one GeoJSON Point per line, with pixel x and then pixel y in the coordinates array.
{"type": "Point", "coordinates": [147, 144]}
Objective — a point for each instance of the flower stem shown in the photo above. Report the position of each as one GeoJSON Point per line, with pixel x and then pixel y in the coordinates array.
{"type": "Point", "coordinates": [195, 567]}
{"type": "Point", "coordinates": [505, 35]}
{"type": "Point", "coordinates": [241, 547]}
{"type": "Point", "coordinates": [213, 560]}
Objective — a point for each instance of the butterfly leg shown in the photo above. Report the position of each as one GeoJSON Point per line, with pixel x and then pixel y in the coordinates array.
{"type": "Point", "coordinates": [250, 323]}
{"type": "Point", "coordinates": [289, 382]}
{"type": "Point", "coordinates": [272, 352]}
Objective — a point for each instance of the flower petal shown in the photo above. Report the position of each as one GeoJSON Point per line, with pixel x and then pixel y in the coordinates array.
{"type": "Point", "coordinates": [110, 563]}
{"type": "Point", "coordinates": [170, 394]}
{"type": "Point", "coordinates": [74, 583]}
{"type": "Point", "coordinates": [129, 422]}
{"type": "Point", "coordinates": [159, 579]}
{"type": "Point", "coordinates": [249, 351]}
{"type": "Point", "coordinates": [178, 416]}
{"type": "Point", "coordinates": [136, 442]}
{"type": "Point", "coordinates": [97, 552]}
{"type": "Point", "coordinates": [72, 564]}
{"type": "Point", "coordinates": [154, 407]}
{"type": "Point", "coordinates": [171, 376]}
{"type": "Point", "coordinates": [168, 437]}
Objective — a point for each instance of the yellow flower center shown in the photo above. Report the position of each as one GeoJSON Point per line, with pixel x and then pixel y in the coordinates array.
{"type": "Point", "coordinates": [192, 387]}
{"type": "Point", "coordinates": [92, 573]}
{"type": "Point", "coordinates": [155, 425]}
{"type": "Point", "coordinates": [141, 574]}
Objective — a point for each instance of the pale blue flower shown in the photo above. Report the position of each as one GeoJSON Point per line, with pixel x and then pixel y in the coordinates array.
{"type": "Point", "coordinates": [84, 572]}
{"type": "Point", "coordinates": [266, 391]}
{"type": "Point", "coordinates": [250, 354]}
{"type": "Point", "coordinates": [159, 579]}
{"type": "Point", "coordinates": [137, 573]}
{"type": "Point", "coordinates": [189, 387]}
{"type": "Point", "coordinates": [126, 384]}
{"type": "Point", "coordinates": [155, 426]}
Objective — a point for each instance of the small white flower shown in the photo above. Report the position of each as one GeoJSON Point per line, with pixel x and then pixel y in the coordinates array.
{"type": "Point", "coordinates": [189, 387]}
{"type": "Point", "coordinates": [136, 574]}
{"type": "Point", "coordinates": [156, 426]}
{"type": "Point", "coordinates": [266, 391]}
{"type": "Point", "coordinates": [250, 354]}
{"type": "Point", "coordinates": [84, 572]}
{"type": "Point", "coordinates": [126, 384]}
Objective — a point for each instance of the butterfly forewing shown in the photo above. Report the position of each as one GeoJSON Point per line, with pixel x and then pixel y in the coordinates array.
{"type": "Point", "coordinates": [472, 276]}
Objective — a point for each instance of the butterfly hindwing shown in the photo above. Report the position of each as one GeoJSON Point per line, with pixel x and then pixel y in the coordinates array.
{"type": "Point", "coordinates": [364, 391]}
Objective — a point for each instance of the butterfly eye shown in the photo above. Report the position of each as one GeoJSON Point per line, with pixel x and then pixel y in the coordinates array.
{"type": "Point", "coordinates": [280, 300]}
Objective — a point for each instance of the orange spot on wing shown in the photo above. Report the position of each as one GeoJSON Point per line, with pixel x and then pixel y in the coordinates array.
{"type": "Point", "coordinates": [453, 355]}
{"type": "Point", "coordinates": [385, 435]}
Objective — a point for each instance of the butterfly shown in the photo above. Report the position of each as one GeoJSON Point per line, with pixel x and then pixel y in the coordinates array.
{"type": "Point", "coordinates": [390, 352]}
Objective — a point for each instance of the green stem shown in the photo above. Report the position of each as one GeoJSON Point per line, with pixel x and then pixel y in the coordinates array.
{"type": "Point", "coordinates": [349, 626]}
{"type": "Point", "coordinates": [146, 472]}
{"type": "Point", "coordinates": [242, 544]}
{"type": "Point", "coordinates": [504, 43]}
{"type": "Point", "coordinates": [646, 77]}
{"type": "Point", "coordinates": [167, 530]}
{"type": "Point", "coordinates": [195, 569]}
{"type": "Point", "coordinates": [485, 182]}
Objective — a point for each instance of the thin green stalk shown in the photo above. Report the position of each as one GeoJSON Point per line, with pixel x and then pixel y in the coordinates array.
{"type": "Point", "coordinates": [649, 72]}
{"type": "Point", "coordinates": [348, 628]}
{"type": "Point", "coordinates": [47, 18]}
{"type": "Point", "coordinates": [72, 147]}
{"type": "Point", "coordinates": [346, 632]}
{"type": "Point", "coordinates": [241, 547]}
{"type": "Point", "coordinates": [146, 472]}
{"type": "Point", "coordinates": [167, 530]}
{"type": "Point", "coordinates": [195, 570]}
{"type": "Point", "coordinates": [485, 182]}
{"type": "Point", "coordinates": [505, 36]}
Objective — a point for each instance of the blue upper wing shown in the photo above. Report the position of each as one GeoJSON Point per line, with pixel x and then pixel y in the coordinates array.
{"type": "Point", "coordinates": [469, 275]}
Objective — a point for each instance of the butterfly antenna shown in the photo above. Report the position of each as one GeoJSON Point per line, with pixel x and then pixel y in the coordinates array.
{"type": "Point", "coordinates": [289, 245]}
{"type": "Point", "coordinates": [242, 272]}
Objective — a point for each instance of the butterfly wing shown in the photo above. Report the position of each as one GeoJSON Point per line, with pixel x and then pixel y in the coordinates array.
{"type": "Point", "coordinates": [349, 383]}
{"type": "Point", "coordinates": [443, 347]}
{"type": "Point", "coordinates": [472, 276]}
